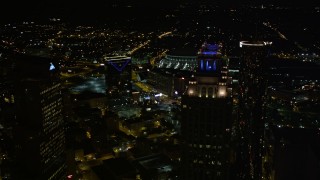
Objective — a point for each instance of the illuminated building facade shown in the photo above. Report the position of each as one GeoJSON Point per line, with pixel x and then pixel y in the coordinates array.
{"type": "Point", "coordinates": [207, 118]}
{"type": "Point", "coordinates": [39, 136]}
{"type": "Point", "coordinates": [170, 81]}
{"type": "Point", "coordinates": [118, 77]}
{"type": "Point", "coordinates": [252, 81]}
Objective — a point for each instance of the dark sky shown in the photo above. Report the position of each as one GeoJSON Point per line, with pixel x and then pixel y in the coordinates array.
{"type": "Point", "coordinates": [26, 10]}
{"type": "Point", "coordinates": [23, 10]}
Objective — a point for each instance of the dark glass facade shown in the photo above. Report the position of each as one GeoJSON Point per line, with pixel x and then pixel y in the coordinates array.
{"type": "Point", "coordinates": [207, 120]}
{"type": "Point", "coordinates": [252, 81]}
{"type": "Point", "coordinates": [39, 132]}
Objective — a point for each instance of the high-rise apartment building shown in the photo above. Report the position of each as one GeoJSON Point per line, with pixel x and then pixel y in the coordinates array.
{"type": "Point", "coordinates": [207, 118]}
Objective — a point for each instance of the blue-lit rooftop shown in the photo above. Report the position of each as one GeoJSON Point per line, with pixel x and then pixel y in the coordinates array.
{"type": "Point", "coordinates": [209, 49]}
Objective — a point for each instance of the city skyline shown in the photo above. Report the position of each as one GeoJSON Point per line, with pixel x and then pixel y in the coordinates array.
{"type": "Point", "coordinates": [156, 90]}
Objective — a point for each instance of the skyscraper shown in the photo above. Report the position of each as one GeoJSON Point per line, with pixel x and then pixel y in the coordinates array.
{"type": "Point", "coordinates": [253, 84]}
{"type": "Point", "coordinates": [118, 77]}
{"type": "Point", "coordinates": [39, 133]}
{"type": "Point", "coordinates": [7, 116]}
{"type": "Point", "coordinates": [207, 118]}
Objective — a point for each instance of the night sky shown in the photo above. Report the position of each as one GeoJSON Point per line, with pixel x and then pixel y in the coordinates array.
{"type": "Point", "coordinates": [30, 10]}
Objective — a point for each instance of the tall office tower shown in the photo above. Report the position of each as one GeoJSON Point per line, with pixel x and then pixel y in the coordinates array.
{"type": "Point", "coordinates": [118, 77]}
{"type": "Point", "coordinates": [39, 133]}
{"type": "Point", "coordinates": [7, 116]}
{"type": "Point", "coordinates": [207, 118]}
{"type": "Point", "coordinates": [253, 84]}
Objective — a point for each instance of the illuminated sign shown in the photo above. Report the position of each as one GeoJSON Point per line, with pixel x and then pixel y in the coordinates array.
{"type": "Point", "coordinates": [119, 66]}
{"type": "Point", "coordinates": [52, 67]}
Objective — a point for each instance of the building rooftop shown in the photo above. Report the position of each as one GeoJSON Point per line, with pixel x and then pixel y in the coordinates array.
{"type": "Point", "coordinates": [155, 163]}
{"type": "Point", "coordinates": [118, 168]}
